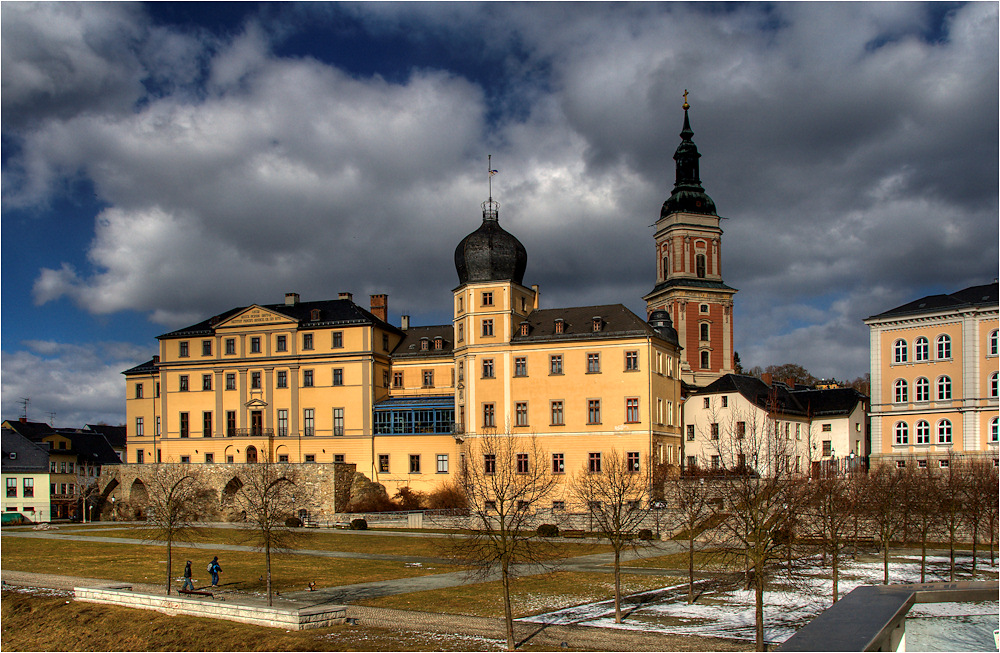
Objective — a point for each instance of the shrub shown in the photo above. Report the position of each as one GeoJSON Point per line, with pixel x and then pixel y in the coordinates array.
{"type": "Point", "coordinates": [645, 534]}
{"type": "Point", "coordinates": [449, 496]}
{"type": "Point", "coordinates": [408, 499]}
{"type": "Point", "coordinates": [293, 522]}
{"type": "Point", "coordinates": [359, 525]}
{"type": "Point", "coordinates": [547, 530]}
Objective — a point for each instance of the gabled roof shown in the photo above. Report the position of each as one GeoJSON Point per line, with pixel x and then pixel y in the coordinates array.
{"type": "Point", "coordinates": [833, 401]}
{"type": "Point", "coordinates": [149, 367]}
{"type": "Point", "coordinates": [332, 312]}
{"type": "Point", "coordinates": [27, 456]}
{"type": "Point", "coordinates": [578, 324]}
{"type": "Point", "coordinates": [34, 431]}
{"type": "Point", "coordinates": [985, 295]}
{"type": "Point", "coordinates": [806, 402]}
{"type": "Point", "coordinates": [92, 447]}
{"type": "Point", "coordinates": [410, 345]}
{"type": "Point", "coordinates": [115, 435]}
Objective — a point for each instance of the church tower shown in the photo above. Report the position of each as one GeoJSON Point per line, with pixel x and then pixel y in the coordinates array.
{"type": "Point", "coordinates": [689, 282]}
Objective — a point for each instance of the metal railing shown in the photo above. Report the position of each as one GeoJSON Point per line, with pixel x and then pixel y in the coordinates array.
{"type": "Point", "coordinates": [251, 432]}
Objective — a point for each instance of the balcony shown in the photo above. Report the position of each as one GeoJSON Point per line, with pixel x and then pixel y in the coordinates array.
{"type": "Point", "coordinates": [252, 432]}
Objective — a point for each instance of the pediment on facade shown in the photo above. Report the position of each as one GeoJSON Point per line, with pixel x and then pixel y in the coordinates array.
{"type": "Point", "coordinates": [256, 403]}
{"type": "Point", "coordinates": [255, 316]}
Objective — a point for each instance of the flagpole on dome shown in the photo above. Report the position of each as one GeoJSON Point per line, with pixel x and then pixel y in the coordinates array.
{"type": "Point", "coordinates": [490, 208]}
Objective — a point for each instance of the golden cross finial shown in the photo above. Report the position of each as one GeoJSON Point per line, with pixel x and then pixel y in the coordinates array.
{"type": "Point", "coordinates": [686, 106]}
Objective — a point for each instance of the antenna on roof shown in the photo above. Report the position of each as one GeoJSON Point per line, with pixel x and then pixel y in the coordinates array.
{"type": "Point", "coordinates": [52, 417]}
{"type": "Point", "coordinates": [24, 408]}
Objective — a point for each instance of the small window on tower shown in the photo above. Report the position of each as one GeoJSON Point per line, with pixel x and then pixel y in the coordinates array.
{"type": "Point", "coordinates": [704, 360]}
{"type": "Point", "coordinates": [699, 264]}
{"type": "Point", "coordinates": [703, 308]}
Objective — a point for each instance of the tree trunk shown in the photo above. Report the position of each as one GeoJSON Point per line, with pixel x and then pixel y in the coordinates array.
{"type": "Point", "coordinates": [169, 558]}
{"type": "Point", "coordinates": [507, 612]}
{"type": "Point", "coordinates": [885, 563]}
{"type": "Point", "coordinates": [836, 570]}
{"type": "Point", "coordinates": [618, 587]}
{"type": "Point", "coordinates": [267, 565]}
{"type": "Point", "coordinates": [923, 556]}
{"type": "Point", "coordinates": [951, 555]}
{"type": "Point", "coordinates": [690, 568]}
{"type": "Point", "coordinates": [975, 537]}
{"type": "Point", "coordinates": [759, 609]}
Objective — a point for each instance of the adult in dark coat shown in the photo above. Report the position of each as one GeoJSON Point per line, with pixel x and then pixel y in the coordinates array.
{"type": "Point", "coordinates": [188, 585]}
{"type": "Point", "coordinates": [215, 569]}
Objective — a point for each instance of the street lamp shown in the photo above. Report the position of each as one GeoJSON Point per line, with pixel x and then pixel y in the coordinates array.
{"type": "Point", "coordinates": [114, 516]}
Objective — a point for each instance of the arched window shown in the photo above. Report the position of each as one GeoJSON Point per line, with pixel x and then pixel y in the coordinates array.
{"type": "Point", "coordinates": [944, 432]}
{"type": "Point", "coordinates": [922, 389]}
{"type": "Point", "coordinates": [902, 433]}
{"type": "Point", "coordinates": [921, 349]}
{"type": "Point", "coordinates": [704, 332]}
{"type": "Point", "coordinates": [944, 347]}
{"type": "Point", "coordinates": [699, 265]}
{"type": "Point", "coordinates": [666, 266]}
{"type": "Point", "coordinates": [944, 388]}
{"type": "Point", "coordinates": [899, 351]}
{"type": "Point", "coordinates": [993, 343]}
{"type": "Point", "coordinates": [704, 360]}
{"type": "Point", "coordinates": [993, 385]}
{"type": "Point", "coordinates": [995, 428]}
{"type": "Point", "coordinates": [923, 432]}
{"type": "Point", "coordinates": [901, 394]}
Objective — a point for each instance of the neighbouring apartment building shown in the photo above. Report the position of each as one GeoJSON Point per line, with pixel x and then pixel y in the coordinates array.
{"type": "Point", "coordinates": [934, 364]}
{"type": "Point", "coordinates": [25, 471]}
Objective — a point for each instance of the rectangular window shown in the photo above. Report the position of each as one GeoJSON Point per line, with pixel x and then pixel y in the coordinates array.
{"type": "Point", "coordinates": [716, 462]}
{"type": "Point", "coordinates": [230, 346]}
{"type": "Point", "coordinates": [557, 413]}
{"type": "Point", "coordinates": [741, 430]}
{"type": "Point", "coordinates": [310, 457]}
{"type": "Point", "coordinates": [521, 413]}
{"type": "Point", "coordinates": [138, 391]}
{"type": "Point", "coordinates": [138, 427]}
{"type": "Point", "coordinates": [281, 343]}
{"type": "Point", "coordinates": [558, 506]}
{"type": "Point", "coordinates": [206, 347]}
{"type": "Point", "coordinates": [11, 488]}
{"type": "Point", "coordinates": [309, 421]}
{"type": "Point", "coordinates": [442, 463]}
{"type": "Point", "coordinates": [520, 366]}
{"type": "Point", "coordinates": [385, 341]}
{"type": "Point", "coordinates": [397, 379]}
{"type": "Point", "coordinates": [206, 424]}
{"type": "Point", "coordinates": [230, 381]}
{"type": "Point", "coordinates": [489, 415]}
{"type": "Point", "coordinates": [383, 463]}
{"type": "Point", "coordinates": [339, 458]}
{"type": "Point", "coordinates": [489, 463]}
{"type": "Point", "coordinates": [307, 378]}
{"type": "Point", "coordinates": [523, 466]}
{"type": "Point", "coordinates": [632, 410]}
{"type": "Point", "coordinates": [414, 463]}
{"type": "Point", "coordinates": [428, 378]}
{"type": "Point", "coordinates": [558, 463]}
{"type": "Point", "coordinates": [827, 448]}
{"type": "Point", "coordinates": [461, 332]}
{"type": "Point", "coordinates": [631, 361]}
{"type": "Point", "coordinates": [182, 385]}
{"type": "Point", "coordinates": [714, 430]}
{"type": "Point", "coordinates": [487, 299]}
{"type": "Point", "coordinates": [827, 428]}
{"type": "Point", "coordinates": [283, 421]}
{"type": "Point", "coordinates": [725, 401]}
{"type": "Point", "coordinates": [338, 421]}
{"type": "Point", "coordinates": [184, 425]}
{"type": "Point", "coordinates": [183, 349]}
{"type": "Point", "coordinates": [282, 380]}
{"type": "Point", "coordinates": [690, 432]}
{"type": "Point", "coordinates": [230, 423]}
{"type": "Point", "coordinates": [594, 462]}
{"type": "Point", "coordinates": [209, 458]}
{"type": "Point", "coordinates": [632, 459]}
{"type": "Point", "coordinates": [593, 363]}
{"type": "Point", "coordinates": [487, 327]}
{"type": "Point", "coordinates": [29, 488]}
{"type": "Point", "coordinates": [307, 341]}
{"type": "Point", "coordinates": [338, 339]}
{"type": "Point", "coordinates": [555, 364]}
{"type": "Point", "coordinates": [338, 376]}
{"type": "Point", "coordinates": [488, 368]}
{"type": "Point", "coordinates": [255, 345]}
{"type": "Point", "coordinates": [255, 380]}
{"type": "Point", "coordinates": [593, 411]}
{"type": "Point", "coordinates": [230, 458]}
{"type": "Point", "coordinates": [385, 378]}
{"type": "Point", "coordinates": [206, 381]}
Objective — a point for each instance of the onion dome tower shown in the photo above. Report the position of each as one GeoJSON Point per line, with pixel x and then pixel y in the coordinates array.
{"type": "Point", "coordinates": [490, 253]}
{"type": "Point", "coordinates": [689, 286]}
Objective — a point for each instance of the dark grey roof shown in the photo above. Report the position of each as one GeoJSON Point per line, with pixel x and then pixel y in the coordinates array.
{"type": "Point", "coordinates": [688, 196]}
{"type": "Point", "coordinates": [149, 367]}
{"type": "Point", "coordinates": [27, 456]}
{"type": "Point", "coordinates": [805, 402]}
{"type": "Point", "coordinates": [332, 312]}
{"type": "Point", "coordinates": [490, 253]}
{"type": "Point", "coordinates": [92, 447]}
{"type": "Point", "coordinates": [34, 431]}
{"type": "Point", "coordinates": [115, 435]}
{"type": "Point", "coordinates": [985, 295]}
{"type": "Point", "coordinates": [700, 284]}
{"type": "Point", "coordinates": [410, 345]}
{"type": "Point", "coordinates": [578, 324]}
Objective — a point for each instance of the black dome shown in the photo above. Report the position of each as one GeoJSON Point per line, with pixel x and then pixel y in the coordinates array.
{"type": "Point", "coordinates": [660, 320]}
{"type": "Point", "coordinates": [489, 253]}
{"type": "Point", "coordinates": [688, 195]}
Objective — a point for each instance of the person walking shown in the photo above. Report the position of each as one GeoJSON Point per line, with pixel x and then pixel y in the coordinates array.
{"type": "Point", "coordinates": [215, 569]}
{"type": "Point", "coordinates": [188, 585]}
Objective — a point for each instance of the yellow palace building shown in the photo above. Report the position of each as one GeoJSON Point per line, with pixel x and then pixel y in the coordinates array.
{"type": "Point", "coordinates": [323, 382]}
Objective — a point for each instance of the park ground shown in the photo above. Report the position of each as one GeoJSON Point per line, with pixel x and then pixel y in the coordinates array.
{"type": "Point", "coordinates": [407, 571]}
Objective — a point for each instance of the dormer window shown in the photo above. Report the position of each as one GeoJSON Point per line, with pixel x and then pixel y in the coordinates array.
{"type": "Point", "coordinates": [314, 314]}
{"type": "Point", "coordinates": [560, 325]}
{"type": "Point", "coordinates": [424, 344]}
{"type": "Point", "coordinates": [598, 322]}
{"type": "Point", "coordinates": [524, 328]}
{"type": "Point", "coordinates": [438, 343]}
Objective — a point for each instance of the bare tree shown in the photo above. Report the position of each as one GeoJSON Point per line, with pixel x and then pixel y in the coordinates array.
{"type": "Point", "coordinates": [951, 493]}
{"type": "Point", "coordinates": [990, 485]}
{"type": "Point", "coordinates": [756, 457]}
{"type": "Point", "coordinates": [690, 500]}
{"type": "Point", "coordinates": [921, 495]}
{"type": "Point", "coordinates": [175, 499]}
{"type": "Point", "coordinates": [268, 499]}
{"type": "Point", "coordinates": [979, 492]}
{"type": "Point", "coordinates": [506, 479]}
{"type": "Point", "coordinates": [830, 512]}
{"type": "Point", "coordinates": [616, 492]}
{"type": "Point", "coordinates": [883, 491]}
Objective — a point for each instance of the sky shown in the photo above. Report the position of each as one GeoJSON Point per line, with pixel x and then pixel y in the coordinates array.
{"type": "Point", "coordinates": [162, 163]}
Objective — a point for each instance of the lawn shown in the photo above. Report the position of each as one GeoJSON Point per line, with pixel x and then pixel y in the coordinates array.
{"type": "Point", "coordinates": [529, 595]}
{"type": "Point", "coordinates": [137, 563]}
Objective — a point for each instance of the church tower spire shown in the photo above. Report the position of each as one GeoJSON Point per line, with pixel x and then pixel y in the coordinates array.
{"type": "Point", "coordinates": [689, 282]}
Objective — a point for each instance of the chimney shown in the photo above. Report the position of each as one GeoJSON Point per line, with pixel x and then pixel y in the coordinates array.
{"type": "Point", "coordinates": [534, 288]}
{"type": "Point", "coordinates": [790, 383]}
{"type": "Point", "coordinates": [23, 420]}
{"type": "Point", "coordinates": [291, 298]}
{"type": "Point", "coordinates": [766, 378]}
{"type": "Point", "coordinates": [380, 306]}
{"type": "Point", "coordinates": [404, 322]}
{"type": "Point", "coordinates": [346, 295]}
